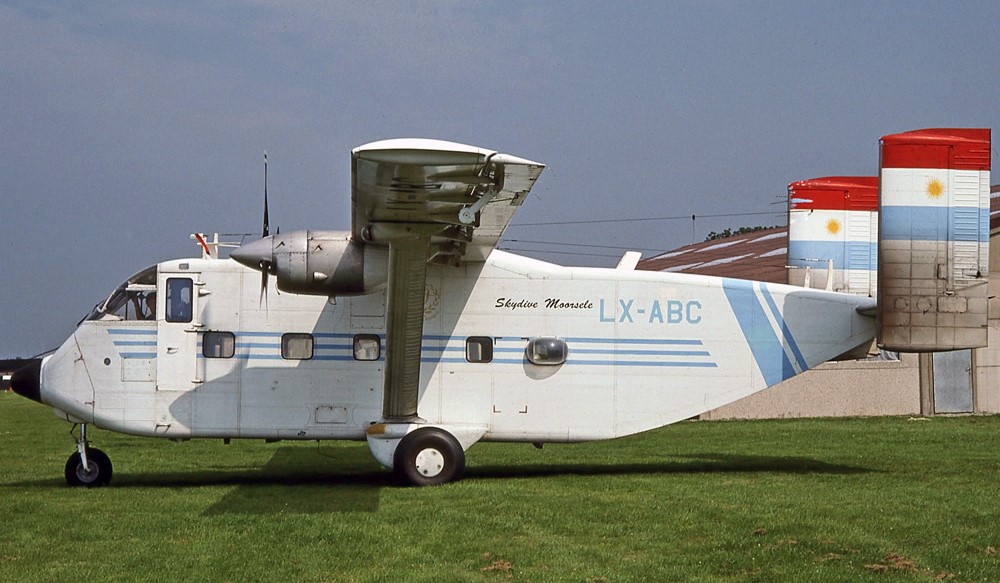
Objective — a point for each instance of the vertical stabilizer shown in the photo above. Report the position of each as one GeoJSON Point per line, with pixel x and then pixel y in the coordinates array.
{"type": "Point", "coordinates": [834, 219]}
{"type": "Point", "coordinates": [934, 199]}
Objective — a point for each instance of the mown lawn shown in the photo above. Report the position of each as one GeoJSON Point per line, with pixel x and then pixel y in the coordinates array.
{"type": "Point", "coordinates": [888, 499]}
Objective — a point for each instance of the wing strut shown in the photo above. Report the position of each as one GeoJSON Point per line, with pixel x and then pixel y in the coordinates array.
{"type": "Point", "coordinates": [404, 327]}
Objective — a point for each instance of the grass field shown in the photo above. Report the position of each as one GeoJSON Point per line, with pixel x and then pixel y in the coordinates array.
{"type": "Point", "coordinates": [793, 500]}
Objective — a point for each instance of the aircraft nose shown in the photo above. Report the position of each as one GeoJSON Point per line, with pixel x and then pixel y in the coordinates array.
{"type": "Point", "coordinates": [255, 255]}
{"type": "Point", "coordinates": [26, 381]}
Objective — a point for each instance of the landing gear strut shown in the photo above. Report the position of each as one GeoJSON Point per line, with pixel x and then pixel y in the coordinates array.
{"type": "Point", "coordinates": [88, 467]}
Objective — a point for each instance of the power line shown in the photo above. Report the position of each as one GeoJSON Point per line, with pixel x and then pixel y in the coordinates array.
{"type": "Point", "coordinates": [674, 218]}
{"type": "Point", "coordinates": [619, 247]}
{"type": "Point", "coordinates": [705, 254]}
{"type": "Point", "coordinates": [557, 252]}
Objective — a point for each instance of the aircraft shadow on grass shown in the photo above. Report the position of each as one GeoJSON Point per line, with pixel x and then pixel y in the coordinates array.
{"type": "Point", "coordinates": [698, 463]}
{"type": "Point", "coordinates": [298, 480]}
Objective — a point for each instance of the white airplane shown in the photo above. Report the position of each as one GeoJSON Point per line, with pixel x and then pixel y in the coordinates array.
{"type": "Point", "coordinates": [412, 332]}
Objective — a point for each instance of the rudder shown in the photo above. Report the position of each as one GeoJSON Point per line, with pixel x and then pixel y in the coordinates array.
{"type": "Point", "coordinates": [934, 209]}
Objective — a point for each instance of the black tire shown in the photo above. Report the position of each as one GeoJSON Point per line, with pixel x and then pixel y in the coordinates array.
{"type": "Point", "coordinates": [428, 457]}
{"type": "Point", "coordinates": [98, 475]}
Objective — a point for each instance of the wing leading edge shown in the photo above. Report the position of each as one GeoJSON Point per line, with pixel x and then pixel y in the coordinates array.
{"type": "Point", "coordinates": [428, 201]}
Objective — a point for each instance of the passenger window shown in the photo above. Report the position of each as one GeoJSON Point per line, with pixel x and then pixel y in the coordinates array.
{"type": "Point", "coordinates": [179, 294]}
{"type": "Point", "coordinates": [296, 346]}
{"type": "Point", "coordinates": [546, 351]}
{"type": "Point", "coordinates": [218, 345]}
{"type": "Point", "coordinates": [367, 347]}
{"type": "Point", "coordinates": [479, 349]}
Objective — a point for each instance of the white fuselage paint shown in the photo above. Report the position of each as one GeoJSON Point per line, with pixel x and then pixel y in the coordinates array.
{"type": "Point", "coordinates": [645, 349]}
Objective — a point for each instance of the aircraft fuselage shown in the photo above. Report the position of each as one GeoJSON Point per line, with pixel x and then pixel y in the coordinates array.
{"type": "Point", "coordinates": [642, 349]}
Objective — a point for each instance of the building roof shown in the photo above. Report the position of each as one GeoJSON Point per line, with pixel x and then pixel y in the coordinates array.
{"type": "Point", "coordinates": [760, 255]}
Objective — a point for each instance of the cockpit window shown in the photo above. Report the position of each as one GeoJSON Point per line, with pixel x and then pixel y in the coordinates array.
{"type": "Point", "coordinates": [143, 305]}
{"type": "Point", "coordinates": [133, 300]}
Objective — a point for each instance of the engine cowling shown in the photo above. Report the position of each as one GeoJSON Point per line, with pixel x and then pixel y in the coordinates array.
{"type": "Point", "coordinates": [328, 263]}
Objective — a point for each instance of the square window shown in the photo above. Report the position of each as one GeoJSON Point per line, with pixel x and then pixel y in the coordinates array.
{"type": "Point", "coordinates": [297, 346]}
{"type": "Point", "coordinates": [218, 345]}
{"type": "Point", "coordinates": [367, 347]}
{"type": "Point", "coordinates": [179, 299]}
{"type": "Point", "coordinates": [479, 349]}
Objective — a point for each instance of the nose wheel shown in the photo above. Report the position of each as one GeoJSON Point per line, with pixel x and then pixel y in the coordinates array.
{"type": "Point", "coordinates": [88, 466]}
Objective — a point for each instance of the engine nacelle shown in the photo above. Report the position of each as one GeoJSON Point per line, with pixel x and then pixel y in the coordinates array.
{"type": "Point", "coordinates": [328, 263]}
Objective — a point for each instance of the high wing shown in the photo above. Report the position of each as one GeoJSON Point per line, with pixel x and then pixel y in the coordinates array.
{"type": "Point", "coordinates": [462, 196]}
{"type": "Point", "coordinates": [429, 201]}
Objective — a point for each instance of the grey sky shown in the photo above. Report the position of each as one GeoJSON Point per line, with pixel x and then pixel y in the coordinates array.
{"type": "Point", "coordinates": [126, 126]}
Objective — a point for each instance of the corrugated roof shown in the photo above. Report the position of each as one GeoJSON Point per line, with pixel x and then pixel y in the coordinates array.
{"type": "Point", "coordinates": [760, 255]}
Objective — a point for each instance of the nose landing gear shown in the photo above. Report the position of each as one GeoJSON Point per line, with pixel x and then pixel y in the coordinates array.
{"type": "Point", "coordinates": [88, 467]}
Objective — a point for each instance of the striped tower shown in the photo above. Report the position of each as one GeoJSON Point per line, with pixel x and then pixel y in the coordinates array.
{"type": "Point", "coordinates": [834, 218]}
{"type": "Point", "coordinates": [934, 239]}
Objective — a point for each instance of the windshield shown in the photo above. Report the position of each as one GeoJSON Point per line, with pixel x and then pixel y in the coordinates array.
{"type": "Point", "coordinates": [133, 300]}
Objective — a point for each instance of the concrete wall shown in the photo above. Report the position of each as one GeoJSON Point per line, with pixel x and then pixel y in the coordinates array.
{"type": "Point", "coordinates": [987, 360]}
{"type": "Point", "coordinates": [987, 380]}
{"type": "Point", "coordinates": [836, 389]}
{"type": "Point", "coordinates": [988, 375]}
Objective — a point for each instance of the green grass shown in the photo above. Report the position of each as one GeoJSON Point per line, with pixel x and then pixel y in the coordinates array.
{"type": "Point", "coordinates": [794, 500]}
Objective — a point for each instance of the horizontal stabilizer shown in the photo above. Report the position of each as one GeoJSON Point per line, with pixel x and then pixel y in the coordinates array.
{"type": "Point", "coordinates": [934, 209]}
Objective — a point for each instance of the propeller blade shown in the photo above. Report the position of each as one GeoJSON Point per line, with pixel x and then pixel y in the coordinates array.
{"type": "Point", "coordinates": [263, 284]}
{"type": "Point", "coordinates": [266, 227]}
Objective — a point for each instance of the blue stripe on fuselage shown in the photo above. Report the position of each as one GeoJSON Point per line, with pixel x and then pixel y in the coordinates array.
{"type": "Point", "coordinates": [767, 350]}
{"type": "Point", "coordinates": [786, 332]}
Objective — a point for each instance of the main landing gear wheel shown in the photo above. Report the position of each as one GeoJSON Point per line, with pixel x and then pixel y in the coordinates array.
{"type": "Point", "coordinates": [97, 472]}
{"type": "Point", "coordinates": [428, 457]}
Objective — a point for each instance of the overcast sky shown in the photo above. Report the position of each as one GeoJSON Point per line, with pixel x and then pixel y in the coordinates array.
{"type": "Point", "coordinates": [126, 126]}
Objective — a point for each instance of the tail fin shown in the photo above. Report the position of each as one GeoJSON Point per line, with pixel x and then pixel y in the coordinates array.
{"type": "Point", "coordinates": [934, 213]}
{"type": "Point", "coordinates": [833, 219]}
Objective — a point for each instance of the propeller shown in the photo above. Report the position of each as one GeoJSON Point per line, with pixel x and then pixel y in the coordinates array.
{"type": "Point", "coordinates": [259, 254]}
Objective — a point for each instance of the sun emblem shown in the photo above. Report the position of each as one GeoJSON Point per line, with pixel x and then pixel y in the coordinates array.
{"type": "Point", "coordinates": [935, 188]}
{"type": "Point", "coordinates": [833, 226]}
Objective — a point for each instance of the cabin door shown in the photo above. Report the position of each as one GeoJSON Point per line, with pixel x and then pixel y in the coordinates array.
{"type": "Point", "coordinates": [177, 330]}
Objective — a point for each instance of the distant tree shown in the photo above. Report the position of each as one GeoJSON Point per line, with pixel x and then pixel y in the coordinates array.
{"type": "Point", "coordinates": [731, 233]}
